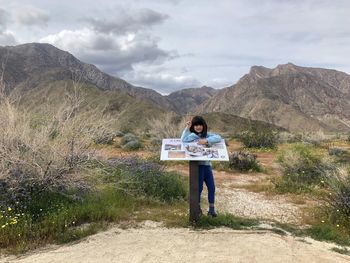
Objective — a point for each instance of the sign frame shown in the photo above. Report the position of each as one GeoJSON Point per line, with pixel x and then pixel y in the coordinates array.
{"type": "Point", "coordinates": [173, 149]}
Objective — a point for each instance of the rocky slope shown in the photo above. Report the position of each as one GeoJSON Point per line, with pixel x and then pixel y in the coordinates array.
{"type": "Point", "coordinates": [29, 65]}
{"type": "Point", "coordinates": [186, 100]}
{"type": "Point", "coordinates": [293, 97]}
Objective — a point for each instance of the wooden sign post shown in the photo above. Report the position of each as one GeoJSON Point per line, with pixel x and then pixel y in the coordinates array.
{"type": "Point", "coordinates": [194, 192]}
{"type": "Point", "coordinates": [173, 149]}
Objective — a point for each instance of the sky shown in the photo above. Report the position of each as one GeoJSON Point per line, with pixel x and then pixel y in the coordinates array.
{"type": "Point", "coordinates": [167, 45]}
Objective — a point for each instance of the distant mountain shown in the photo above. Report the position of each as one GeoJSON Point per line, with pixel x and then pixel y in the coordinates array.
{"type": "Point", "coordinates": [29, 65]}
{"type": "Point", "coordinates": [296, 98]}
{"type": "Point", "coordinates": [289, 96]}
{"type": "Point", "coordinates": [185, 100]}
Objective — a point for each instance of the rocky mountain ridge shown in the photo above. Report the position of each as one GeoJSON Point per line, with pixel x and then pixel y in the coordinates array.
{"type": "Point", "coordinates": [289, 96]}
{"type": "Point", "coordinates": [293, 97]}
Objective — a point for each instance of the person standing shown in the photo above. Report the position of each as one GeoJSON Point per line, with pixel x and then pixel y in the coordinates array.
{"type": "Point", "coordinates": [197, 130]}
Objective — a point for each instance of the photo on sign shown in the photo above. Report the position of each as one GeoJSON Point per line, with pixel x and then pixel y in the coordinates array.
{"type": "Point", "coordinates": [169, 147]}
{"type": "Point", "coordinates": [176, 154]}
{"type": "Point", "coordinates": [175, 149]}
{"type": "Point", "coordinates": [199, 151]}
{"type": "Point", "coordinates": [218, 146]}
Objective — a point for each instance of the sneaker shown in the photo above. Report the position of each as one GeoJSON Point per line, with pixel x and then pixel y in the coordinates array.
{"type": "Point", "coordinates": [212, 214]}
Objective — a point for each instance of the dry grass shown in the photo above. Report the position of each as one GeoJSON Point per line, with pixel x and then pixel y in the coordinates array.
{"type": "Point", "coordinates": [45, 151]}
{"type": "Point", "coordinates": [171, 126]}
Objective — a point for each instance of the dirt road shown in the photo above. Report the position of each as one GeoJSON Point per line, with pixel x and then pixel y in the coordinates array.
{"type": "Point", "coordinates": [153, 243]}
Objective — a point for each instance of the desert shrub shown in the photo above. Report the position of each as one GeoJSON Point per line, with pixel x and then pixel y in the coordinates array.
{"type": "Point", "coordinates": [144, 178]}
{"type": "Point", "coordinates": [339, 195]}
{"type": "Point", "coordinates": [287, 137]}
{"type": "Point", "coordinates": [262, 138]}
{"type": "Point", "coordinates": [128, 137]}
{"type": "Point", "coordinates": [303, 166]}
{"type": "Point", "coordinates": [340, 154]}
{"type": "Point", "coordinates": [169, 126]}
{"type": "Point", "coordinates": [244, 161]}
{"type": "Point", "coordinates": [105, 137]}
{"type": "Point", "coordinates": [119, 134]}
{"type": "Point", "coordinates": [130, 142]}
{"type": "Point", "coordinates": [348, 138]}
{"type": "Point", "coordinates": [46, 156]}
{"type": "Point", "coordinates": [132, 145]}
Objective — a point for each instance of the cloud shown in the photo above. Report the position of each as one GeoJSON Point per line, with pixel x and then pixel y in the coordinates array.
{"type": "Point", "coordinates": [160, 80]}
{"type": "Point", "coordinates": [7, 38]}
{"type": "Point", "coordinates": [115, 44]}
{"type": "Point", "coordinates": [126, 21]}
{"type": "Point", "coordinates": [113, 54]}
{"type": "Point", "coordinates": [31, 16]}
{"type": "Point", "coordinates": [4, 17]}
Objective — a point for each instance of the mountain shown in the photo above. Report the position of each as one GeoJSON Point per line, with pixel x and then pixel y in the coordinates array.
{"type": "Point", "coordinates": [293, 97]}
{"type": "Point", "coordinates": [28, 65]}
{"type": "Point", "coordinates": [185, 100]}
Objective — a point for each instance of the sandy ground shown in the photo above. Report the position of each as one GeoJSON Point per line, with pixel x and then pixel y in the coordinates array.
{"type": "Point", "coordinates": [154, 243]}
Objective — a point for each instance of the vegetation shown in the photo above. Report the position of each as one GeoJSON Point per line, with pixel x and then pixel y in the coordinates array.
{"type": "Point", "coordinates": [244, 161]}
{"type": "Point", "coordinates": [226, 220]}
{"type": "Point", "coordinates": [340, 155]}
{"type": "Point", "coordinates": [303, 168]}
{"type": "Point", "coordinates": [130, 142]}
{"type": "Point", "coordinates": [52, 189]}
{"type": "Point", "coordinates": [259, 138]}
{"type": "Point", "coordinates": [146, 179]}
{"type": "Point", "coordinates": [338, 199]}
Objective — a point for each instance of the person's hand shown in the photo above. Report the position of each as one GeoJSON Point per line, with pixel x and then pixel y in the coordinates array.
{"type": "Point", "coordinates": [188, 124]}
{"type": "Point", "coordinates": [202, 141]}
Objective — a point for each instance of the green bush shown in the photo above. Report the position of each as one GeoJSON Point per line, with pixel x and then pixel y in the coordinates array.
{"type": "Point", "coordinates": [130, 142]}
{"type": "Point", "coordinates": [302, 167]}
{"type": "Point", "coordinates": [128, 138]}
{"type": "Point", "coordinates": [104, 138]}
{"type": "Point", "coordinates": [132, 145]}
{"type": "Point", "coordinates": [262, 138]}
{"type": "Point", "coordinates": [341, 155]}
{"type": "Point", "coordinates": [148, 179]}
{"type": "Point", "coordinates": [339, 196]}
{"type": "Point", "coordinates": [244, 161]}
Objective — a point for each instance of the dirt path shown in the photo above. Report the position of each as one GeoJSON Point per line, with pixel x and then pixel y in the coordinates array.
{"type": "Point", "coordinates": [153, 243]}
{"type": "Point", "coordinates": [233, 197]}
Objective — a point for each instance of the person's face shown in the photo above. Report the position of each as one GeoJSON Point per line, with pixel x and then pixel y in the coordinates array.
{"type": "Point", "coordinates": [198, 128]}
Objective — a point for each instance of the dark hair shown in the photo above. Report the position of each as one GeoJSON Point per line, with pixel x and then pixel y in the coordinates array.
{"type": "Point", "coordinates": [198, 120]}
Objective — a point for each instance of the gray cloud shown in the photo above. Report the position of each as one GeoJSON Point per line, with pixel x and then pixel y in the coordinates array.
{"type": "Point", "coordinates": [113, 53]}
{"type": "Point", "coordinates": [6, 36]}
{"type": "Point", "coordinates": [161, 79]}
{"type": "Point", "coordinates": [126, 21]}
{"type": "Point", "coordinates": [7, 39]}
{"type": "Point", "coordinates": [4, 17]}
{"type": "Point", "coordinates": [31, 16]}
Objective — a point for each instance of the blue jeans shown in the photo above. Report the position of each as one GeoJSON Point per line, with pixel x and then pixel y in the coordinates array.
{"type": "Point", "coordinates": [206, 175]}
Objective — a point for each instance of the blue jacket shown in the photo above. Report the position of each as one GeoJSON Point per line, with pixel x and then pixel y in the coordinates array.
{"type": "Point", "coordinates": [188, 136]}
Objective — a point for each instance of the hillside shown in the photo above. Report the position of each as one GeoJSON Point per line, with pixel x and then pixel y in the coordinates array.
{"type": "Point", "coordinates": [31, 64]}
{"type": "Point", "coordinates": [186, 100]}
{"type": "Point", "coordinates": [293, 97]}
